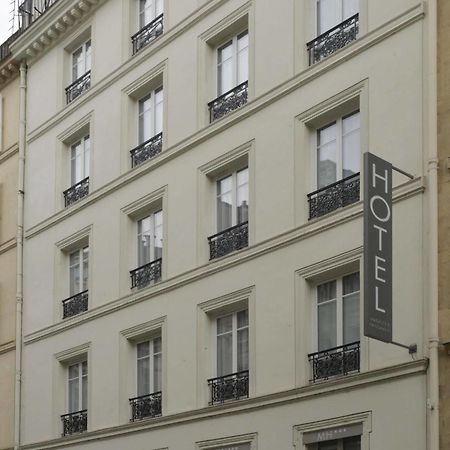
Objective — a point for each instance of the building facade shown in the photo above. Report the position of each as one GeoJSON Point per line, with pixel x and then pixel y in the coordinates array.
{"type": "Point", "coordinates": [9, 129]}
{"type": "Point", "coordinates": [193, 224]}
{"type": "Point", "coordinates": [444, 219]}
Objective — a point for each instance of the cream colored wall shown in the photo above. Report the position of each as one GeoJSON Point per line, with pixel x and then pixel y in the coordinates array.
{"type": "Point", "coordinates": [281, 176]}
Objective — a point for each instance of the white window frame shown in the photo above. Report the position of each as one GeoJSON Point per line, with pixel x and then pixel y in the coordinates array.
{"type": "Point", "coordinates": [81, 380]}
{"type": "Point", "coordinates": [339, 145]}
{"type": "Point", "coordinates": [153, 11]}
{"type": "Point", "coordinates": [339, 309]}
{"type": "Point", "coordinates": [85, 142]}
{"type": "Point", "coordinates": [80, 252]}
{"type": "Point", "coordinates": [234, 194]}
{"type": "Point", "coordinates": [153, 228]}
{"type": "Point", "coordinates": [234, 332]}
{"type": "Point", "coordinates": [234, 60]}
{"type": "Point", "coordinates": [152, 111]}
{"type": "Point", "coordinates": [317, 14]}
{"type": "Point", "coordinates": [86, 53]}
{"type": "Point", "coordinates": [151, 358]}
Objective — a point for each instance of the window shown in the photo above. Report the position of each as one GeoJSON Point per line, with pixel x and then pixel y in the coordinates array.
{"type": "Point", "coordinates": [338, 312]}
{"type": "Point", "coordinates": [78, 270]}
{"type": "Point", "coordinates": [149, 10]}
{"type": "Point", "coordinates": [350, 443]}
{"type": "Point", "coordinates": [81, 60]}
{"type": "Point", "coordinates": [79, 160]}
{"type": "Point", "coordinates": [232, 200]}
{"type": "Point", "coordinates": [232, 63]}
{"type": "Point", "coordinates": [77, 387]}
{"type": "Point", "coordinates": [149, 366]}
{"type": "Point", "coordinates": [75, 421]}
{"type": "Point", "coordinates": [150, 115]}
{"type": "Point", "coordinates": [333, 12]}
{"type": "Point", "coordinates": [338, 150]}
{"type": "Point", "coordinates": [232, 343]}
{"type": "Point", "coordinates": [149, 250]}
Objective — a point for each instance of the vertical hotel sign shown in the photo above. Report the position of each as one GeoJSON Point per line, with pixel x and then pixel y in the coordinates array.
{"type": "Point", "coordinates": [377, 248]}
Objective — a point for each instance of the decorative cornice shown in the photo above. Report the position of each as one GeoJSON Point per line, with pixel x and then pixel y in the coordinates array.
{"type": "Point", "coordinates": [300, 394]}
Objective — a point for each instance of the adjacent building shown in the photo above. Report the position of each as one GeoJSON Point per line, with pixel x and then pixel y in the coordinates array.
{"type": "Point", "coordinates": [193, 239]}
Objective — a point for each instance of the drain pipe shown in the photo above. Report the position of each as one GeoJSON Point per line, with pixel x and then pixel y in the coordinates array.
{"type": "Point", "coordinates": [19, 241]}
{"type": "Point", "coordinates": [430, 71]}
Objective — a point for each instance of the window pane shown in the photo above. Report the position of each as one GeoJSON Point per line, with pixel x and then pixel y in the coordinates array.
{"type": "Point", "coordinates": [143, 369]}
{"type": "Point", "coordinates": [158, 218]}
{"type": "Point", "coordinates": [224, 355]}
{"type": "Point", "coordinates": [224, 204]}
{"type": "Point", "coordinates": [327, 332]}
{"type": "Point", "coordinates": [87, 149]}
{"type": "Point", "coordinates": [77, 62]}
{"type": "Point", "coordinates": [326, 156]}
{"type": "Point", "coordinates": [329, 14]}
{"type": "Point", "coordinates": [351, 318]}
{"type": "Point", "coordinates": [350, 145]}
{"type": "Point", "coordinates": [157, 372]}
{"type": "Point", "coordinates": [159, 9]}
{"type": "Point", "coordinates": [158, 111]}
{"type": "Point", "coordinates": [329, 445]}
{"type": "Point", "coordinates": [74, 395]}
{"type": "Point", "coordinates": [85, 268]}
{"type": "Point", "coordinates": [144, 241]}
{"type": "Point", "coordinates": [352, 443]}
{"type": "Point", "coordinates": [145, 119]}
{"type": "Point", "coordinates": [242, 58]}
{"type": "Point", "coordinates": [143, 349]}
{"type": "Point", "coordinates": [88, 57]}
{"type": "Point", "coordinates": [225, 68]}
{"type": "Point", "coordinates": [242, 196]}
{"type": "Point", "coordinates": [74, 269]}
{"type": "Point", "coordinates": [326, 291]}
{"type": "Point", "coordinates": [242, 319]}
{"type": "Point", "coordinates": [145, 12]}
{"type": "Point", "coordinates": [351, 7]}
{"type": "Point", "coordinates": [224, 324]}
{"type": "Point", "coordinates": [350, 283]}
{"type": "Point", "coordinates": [242, 349]}
{"type": "Point", "coordinates": [84, 387]}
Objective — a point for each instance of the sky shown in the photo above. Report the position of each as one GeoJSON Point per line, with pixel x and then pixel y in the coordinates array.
{"type": "Point", "coordinates": [5, 8]}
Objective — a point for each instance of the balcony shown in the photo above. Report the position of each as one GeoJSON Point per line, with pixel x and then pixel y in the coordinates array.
{"type": "Point", "coordinates": [76, 304]}
{"type": "Point", "coordinates": [79, 86]}
{"type": "Point", "coordinates": [228, 387]}
{"type": "Point", "coordinates": [146, 150]}
{"type": "Point", "coordinates": [227, 241]}
{"type": "Point", "coordinates": [231, 100]}
{"type": "Point", "coordinates": [334, 196]}
{"type": "Point", "coordinates": [76, 192]}
{"type": "Point", "coordinates": [145, 406]}
{"type": "Point", "coordinates": [147, 34]}
{"type": "Point", "coordinates": [75, 422]}
{"type": "Point", "coordinates": [146, 275]}
{"type": "Point", "coordinates": [335, 362]}
{"type": "Point", "coordinates": [333, 40]}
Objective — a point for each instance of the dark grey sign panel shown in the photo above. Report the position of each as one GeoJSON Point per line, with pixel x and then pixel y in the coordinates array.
{"type": "Point", "coordinates": [377, 248]}
{"type": "Point", "coordinates": [331, 434]}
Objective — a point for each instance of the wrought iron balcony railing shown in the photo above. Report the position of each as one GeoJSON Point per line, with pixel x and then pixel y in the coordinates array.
{"type": "Point", "coordinates": [334, 196]}
{"type": "Point", "coordinates": [79, 86]}
{"type": "Point", "coordinates": [337, 361]}
{"type": "Point", "coordinates": [146, 406]}
{"type": "Point", "coordinates": [76, 304]}
{"type": "Point", "coordinates": [76, 192]}
{"type": "Point", "coordinates": [227, 241]}
{"type": "Point", "coordinates": [147, 34]}
{"type": "Point", "coordinates": [75, 422]}
{"type": "Point", "coordinates": [229, 387]}
{"type": "Point", "coordinates": [146, 150]}
{"type": "Point", "coordinates": [333, 40]}
{"type": "Point", "coordinates": [147, 274]}
{"type": "Point", "coordinates": [231, 100]}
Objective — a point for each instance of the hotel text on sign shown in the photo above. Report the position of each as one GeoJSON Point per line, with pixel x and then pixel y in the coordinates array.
{"type": "Point", "coordinates": [377, 248]}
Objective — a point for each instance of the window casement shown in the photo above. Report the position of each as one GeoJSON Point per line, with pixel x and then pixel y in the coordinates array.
{"type": "Point", "coordinates": [78, 283]}
{"type": "Point", "coordinates": [337, 25]}
{"type": "Point", "coordinates": [150, 127]}
{"type": "Point", "coordinates": [350, 443]}
{"type": "Point", "coordinates": [80, 71]}
{"type": "Point", "coordinates": [337, 165]}
{"type": "Point", "coordinates": [232, 358]}
{"type": "Point", "coordinates": [75, 421]}
{"type": "Point", "coordinates": [79, 171]}
{"type": "Point", "coordinates": [148, 379]}
{"type": "Point", "coordinates": [150, 20]}
{"type": "Point", "coordinates": [149, 250]}
{"type": "Point", "coordinates": [337, 313]}
{"type": "Point", "coordinates": [232, 76]}
{"type": "Point", "coordinates": [232, 198]}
